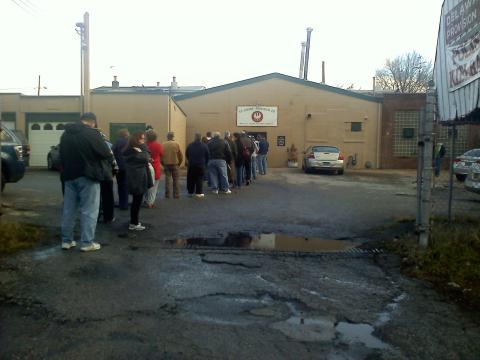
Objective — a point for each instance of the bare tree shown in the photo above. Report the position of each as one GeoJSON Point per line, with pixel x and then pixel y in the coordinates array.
{"type": "Point", "coordinates": [408, 73]}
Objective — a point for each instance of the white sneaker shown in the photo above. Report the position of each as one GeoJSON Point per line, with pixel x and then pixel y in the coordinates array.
{"type": "Point", "coordinates": [190, 195]}
{"type": "Point", "coordinates": [227, 192]}
{"type": "Point", "coordinates": [68, 245]}
{"type": "Point", "coordinates": [215, 191]}
{"type": "Point", "coordinates": [138, 227]}
{"type": "Point", "coordinates": [92, 247]}
{"type": "Point", "coordinates": [199, 195]}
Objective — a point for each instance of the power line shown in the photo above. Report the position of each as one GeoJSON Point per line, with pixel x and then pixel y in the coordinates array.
{"type": "Point", "coordinates": [28, 6]}
{"type": "Point", "coordinates": [32, 5]}
{"type": "Point", "coordinates": [24, 9]}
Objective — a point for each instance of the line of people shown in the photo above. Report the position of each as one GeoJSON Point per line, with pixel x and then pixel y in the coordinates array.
{"type": "Point", "coordinates": [226, 163]}
{"type": "Point", "coordinates": [89, 163]}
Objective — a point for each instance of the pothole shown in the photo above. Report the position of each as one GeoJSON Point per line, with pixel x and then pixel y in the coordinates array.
{"type": "Point", "coordinates": [265, 241]}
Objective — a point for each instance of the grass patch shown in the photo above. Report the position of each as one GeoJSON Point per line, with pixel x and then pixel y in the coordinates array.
{"type": "Point", "coordinates": [18, 236]}
{"type": "Point", "coordinates": [452, 260]}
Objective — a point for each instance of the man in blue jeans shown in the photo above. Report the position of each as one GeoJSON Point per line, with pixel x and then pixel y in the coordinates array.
{"type": "Point", "coordinates": [83, 154]}
{"type": "Point", "coordinates": [262, 155]}
{"type": "Point", "coordinates": [220, 155]}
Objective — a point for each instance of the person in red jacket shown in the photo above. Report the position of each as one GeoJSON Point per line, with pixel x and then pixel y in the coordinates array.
{"type": "Point", "coordinates": [156, 152]}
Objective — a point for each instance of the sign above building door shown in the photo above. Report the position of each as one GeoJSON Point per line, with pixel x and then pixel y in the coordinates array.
{"type": "Point", "coordinates": [257, 115]}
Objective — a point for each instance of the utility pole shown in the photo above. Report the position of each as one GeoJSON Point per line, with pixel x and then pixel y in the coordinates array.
{"type": "Point", "coordinates": [1, 210]}
{"type": "Point", "coordinates": [83, 29]}
{"type": "Point", "coordinates": [307, 53]}
{"type": "Point", "coordinates": [426, 146]}
{"type": "Point", "coordinates": [38, 89]}
{"type": "Point", "coordinates": [86, 62]}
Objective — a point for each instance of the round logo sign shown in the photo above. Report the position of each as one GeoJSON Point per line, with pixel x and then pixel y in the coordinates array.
{"type": "Point", "coordinates": [257, 116]}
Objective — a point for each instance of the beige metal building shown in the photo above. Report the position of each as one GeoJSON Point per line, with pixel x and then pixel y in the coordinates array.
{"type": "Point", "coordinates": [43, 118]}
{"type": "Point", "coordinates": [285, 109]}
{"type": "Point", "coordinates": [290, 111]}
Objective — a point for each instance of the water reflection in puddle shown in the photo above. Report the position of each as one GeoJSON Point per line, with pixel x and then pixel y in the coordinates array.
{"type": "Point", "coordinates": [360, 333]}
{"type": "Point", "coordinates": [267, 241]}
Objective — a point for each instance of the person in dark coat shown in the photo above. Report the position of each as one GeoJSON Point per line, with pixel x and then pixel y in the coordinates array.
{"type": "Point", "coordinates": [106, 186]}
{"type": "Point", "coordinates": [247, 150]}
{"type": "Point", "coordinates": [137, 158]}
{"type": "Point", "coordinates": [197, 156]}
{"type": "Point", "coordinates": [82, 152]}
{"type": "Point", "coordinates": [239, 160]}
{"type": "Point", "coordinates": [118, 149]}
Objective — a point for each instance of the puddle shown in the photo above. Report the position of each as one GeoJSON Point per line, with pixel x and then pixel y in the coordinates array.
{"type": "Point", "coordinates": [360, 333]}
{"type": "Point", "coordinates": [267, 241]}
{"type": "Point", "coordinates": [310, 329]}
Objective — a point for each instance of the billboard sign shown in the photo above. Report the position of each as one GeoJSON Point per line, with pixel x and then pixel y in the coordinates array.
{"type": "Point", "coordinates": [457, 63]}
{"type": "Point", "coordinates": [462, 43]}
{"type": "Point", "coordinates": [257, 115]}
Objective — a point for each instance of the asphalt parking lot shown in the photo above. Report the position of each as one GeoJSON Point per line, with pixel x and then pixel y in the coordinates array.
{"type": "Point", "coordinates": [138, 298]}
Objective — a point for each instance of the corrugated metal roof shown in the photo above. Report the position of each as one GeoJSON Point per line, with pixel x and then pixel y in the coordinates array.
{"type": "Point", "coordinates": [282, 77]}
{"type": "Point", "coordinates": [457, 62]}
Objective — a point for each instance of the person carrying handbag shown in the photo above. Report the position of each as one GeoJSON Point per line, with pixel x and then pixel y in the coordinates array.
{"type": "Point", "coordinates": [137, 159]}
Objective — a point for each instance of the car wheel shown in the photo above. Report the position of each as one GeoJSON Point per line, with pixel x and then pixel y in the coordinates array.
{"type": "Point", "coordinates": [461, 177]}
{"type": "Point", "coordinates": [50, 163]}
{"type": "Point", "coordinates": [340, 172]}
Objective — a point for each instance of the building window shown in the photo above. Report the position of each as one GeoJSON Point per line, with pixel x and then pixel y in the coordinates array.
{"type": "Point", "coordinates": [444, 135]}
{"type": "Point", "coordinates": [356, 126]}
{"type": "Point", "coordinates": [405, 126]}
{"type": "Point", "coordinates": [35, 127]}
{"type": "Point", "coordinates": [47, 127]}
{"type": "Point", "coordinates": [60, 127]}
{"type": "Point", "coordinates": [408, 133]}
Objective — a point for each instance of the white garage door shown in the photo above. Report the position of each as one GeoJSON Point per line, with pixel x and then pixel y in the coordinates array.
{"type": "Point", "coordinates": [42, 136]}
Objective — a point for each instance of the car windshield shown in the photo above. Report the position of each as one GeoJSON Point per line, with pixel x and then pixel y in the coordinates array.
{"type": "Point", "coordinates": [324, 149]}
{"type": "Point", "coordinates": [5, 136]}
{"type": "Point", "coordinates": [20, 136]}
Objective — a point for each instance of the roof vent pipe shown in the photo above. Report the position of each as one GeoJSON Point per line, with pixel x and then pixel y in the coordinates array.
{"type": "Point", "coordinates": [115, 83]}
{"type": "Point", "coordinates": [302, 60]}
{"type": "Point", "coordinates": [307, 53]}
{"type": "Point", "coordinates": [323, 72]}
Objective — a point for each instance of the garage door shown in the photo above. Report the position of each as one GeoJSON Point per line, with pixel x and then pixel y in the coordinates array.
{"type": "Point", "coordinates": [42, 136]}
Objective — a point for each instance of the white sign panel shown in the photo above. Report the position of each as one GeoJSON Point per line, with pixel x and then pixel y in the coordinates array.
{"type": "Point", "coordinates": [257, 115]}
{"type": "Point", "coordinates": [462, 43]}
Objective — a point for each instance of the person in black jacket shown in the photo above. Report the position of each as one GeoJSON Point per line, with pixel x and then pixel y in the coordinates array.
{"type": "Point", "coordinates": [197, 157]}
{"type": "Point", "coordinates": [118, 148]}
{"type": "Point", "coordinates": [82, 153]}
{"type": "Point", "coordinates": [139, 181]}
{"type": "Point", "coordinates": [220, 155]}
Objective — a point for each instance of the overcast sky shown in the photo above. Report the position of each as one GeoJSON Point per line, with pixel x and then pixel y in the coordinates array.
{"type": "Point", "coordinates": [207, 42]}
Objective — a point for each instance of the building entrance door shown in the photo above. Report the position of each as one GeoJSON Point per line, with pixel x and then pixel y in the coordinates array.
{"type": "Point", "coordinates": [256, 133]}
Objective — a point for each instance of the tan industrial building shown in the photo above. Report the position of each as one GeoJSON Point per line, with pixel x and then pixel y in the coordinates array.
{"type": "Point", "coordinates": [285, 109]}
{"type": "Point", "coordinates": [298, 112]}
{"type": "Point", "coordinates": [43, 118]}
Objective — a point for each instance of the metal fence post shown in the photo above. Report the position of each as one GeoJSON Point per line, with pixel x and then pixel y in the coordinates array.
{"type": "Point", "coordinates": [427, 168]}
{"type": "Point", "coordinates": [450, 184]}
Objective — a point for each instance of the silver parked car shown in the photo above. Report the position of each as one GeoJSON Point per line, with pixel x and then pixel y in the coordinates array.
{"type": "Point", "coordinates": [472, 183]}
{"type": "Point", "coordinates": [321, 157]}
{"type": "Point", "coordinates": [463, 163]}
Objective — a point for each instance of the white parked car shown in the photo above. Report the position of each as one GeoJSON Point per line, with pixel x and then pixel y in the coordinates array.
{"type": "Point", "coordinates": [472, 182]}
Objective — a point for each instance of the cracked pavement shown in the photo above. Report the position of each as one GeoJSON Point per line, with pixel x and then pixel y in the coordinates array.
{"type": "Point", "coordinates": [138, 298]}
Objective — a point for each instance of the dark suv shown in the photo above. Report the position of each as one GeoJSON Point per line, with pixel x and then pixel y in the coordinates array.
{"type": "Point", "coordinates": [13, 165]}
